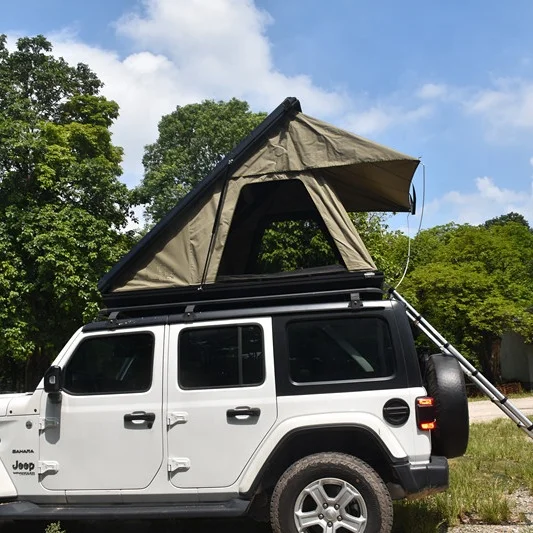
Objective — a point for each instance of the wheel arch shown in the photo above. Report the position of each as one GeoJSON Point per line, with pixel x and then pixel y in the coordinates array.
{"type": "Point", "coordinates": [353, 439]}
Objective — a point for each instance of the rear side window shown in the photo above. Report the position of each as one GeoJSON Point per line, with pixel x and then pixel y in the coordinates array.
{"type": "Point", "coordinates": [339, 349]}
{"type": "Point", "coordinates": [111, 365]}
{"type": "Point", "coordinates": [225, 356]}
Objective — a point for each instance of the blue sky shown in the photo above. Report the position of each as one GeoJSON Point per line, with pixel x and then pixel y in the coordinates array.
{"type": "Point", "coordinates": [451, 82]}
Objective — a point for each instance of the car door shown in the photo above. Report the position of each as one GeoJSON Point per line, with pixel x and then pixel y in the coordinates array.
{"type": "Point", "coordinates": [106, 432]}
{"type": "Point", "coordinates": [221, 399]}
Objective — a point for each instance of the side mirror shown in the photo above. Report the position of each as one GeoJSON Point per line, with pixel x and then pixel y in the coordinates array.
{"type": "Point", "coordinates": [52, 380]}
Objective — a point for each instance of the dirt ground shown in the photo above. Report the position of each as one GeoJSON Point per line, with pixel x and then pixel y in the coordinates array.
{"type": "Point", "coordinates": [142, 526]}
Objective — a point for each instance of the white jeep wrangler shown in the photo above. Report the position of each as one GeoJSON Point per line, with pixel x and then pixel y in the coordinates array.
{"type": "Point", "coordinates": [318, 407]}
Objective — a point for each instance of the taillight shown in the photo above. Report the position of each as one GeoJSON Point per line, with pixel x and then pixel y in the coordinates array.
{"type": "Point", "coordinates": [426, 415]}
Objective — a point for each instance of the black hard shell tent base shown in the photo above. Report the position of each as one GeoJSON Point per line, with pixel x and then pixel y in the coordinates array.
{"type": "Point", "coordinates": [280, 287]}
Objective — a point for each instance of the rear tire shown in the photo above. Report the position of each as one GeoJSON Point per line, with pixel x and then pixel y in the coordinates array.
{"type": "Point", "coordinates": [446, 384]}
{"type": "Point", "coordinates": [322, 491]}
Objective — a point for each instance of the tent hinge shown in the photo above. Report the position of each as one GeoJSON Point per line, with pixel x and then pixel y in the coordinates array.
{"type": "Point", "coordinates": [189, 315]}
{"type": "Point", "coordinates": [355, 301]}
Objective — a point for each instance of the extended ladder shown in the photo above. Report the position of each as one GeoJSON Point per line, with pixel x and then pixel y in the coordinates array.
{"type": "Point", "coordinates": [482, 383]}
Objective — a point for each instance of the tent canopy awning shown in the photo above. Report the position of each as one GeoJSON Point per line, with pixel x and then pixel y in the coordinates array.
{"type": "Point", "coordinates": [367, 176]}
{"type": "Point", "coordinates": [301, 161]}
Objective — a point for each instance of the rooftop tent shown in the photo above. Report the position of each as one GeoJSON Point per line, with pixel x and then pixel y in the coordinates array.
{"type": "Point", "coordinates": [291, 167]}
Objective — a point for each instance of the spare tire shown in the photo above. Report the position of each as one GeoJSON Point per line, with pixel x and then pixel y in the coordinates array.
{"type": "Point", "coordinates": [446, 384]}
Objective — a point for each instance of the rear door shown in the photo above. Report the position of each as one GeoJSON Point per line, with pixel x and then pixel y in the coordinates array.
{"type": "Point", "coordinates": [221, 399]}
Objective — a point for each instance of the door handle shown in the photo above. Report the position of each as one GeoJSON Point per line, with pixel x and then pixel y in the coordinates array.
{"type": "Point", "coordinates": [140, 415]}
{"type": "Point", "coordinates": [251, 412]}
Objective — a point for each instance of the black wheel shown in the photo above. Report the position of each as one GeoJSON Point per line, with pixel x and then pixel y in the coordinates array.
{"type": "Point", "coordinates": [445, 382]}
{"type": "Point", "coordinates": [331, 492]}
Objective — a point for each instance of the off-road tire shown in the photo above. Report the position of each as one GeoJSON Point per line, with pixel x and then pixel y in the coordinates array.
{"type": "Point", "coordinates": [446, 384]}
{"type": "Point", "coordinates": [331, 465]}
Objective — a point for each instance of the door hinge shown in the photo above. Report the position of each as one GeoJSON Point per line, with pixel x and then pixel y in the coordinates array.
{"type": "Point", "coordinates": [181, 464]}
{"type": "Point", "coordinates": [177, 418]}
{"type": "Point", "coordinates": [48, 467]}
{"type": "Point", "coordinates": [47, 423]}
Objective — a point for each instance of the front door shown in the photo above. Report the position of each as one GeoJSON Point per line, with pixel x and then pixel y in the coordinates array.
{"type": "Point", "coordinates": [106, 433]}
{"type": "Point", "coordinates": [221, 399]}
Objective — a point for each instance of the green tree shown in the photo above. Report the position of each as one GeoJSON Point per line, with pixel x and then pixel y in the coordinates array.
{"type": "Point", "coordinates": [388, 248]}
{"type": "Point", "coordinates": [475, 285]}
{"type": "Point", "coordinates": [62, 207]}
{"type": "Point", "coordinates": [509, 217]}
{"type": "Point", "coordinates": [292, 245]}
{"type": "Point", "coordinates": [192, 140]}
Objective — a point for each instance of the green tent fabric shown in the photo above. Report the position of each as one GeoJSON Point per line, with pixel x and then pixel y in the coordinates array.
{"type": "Point", "coordinates": [366, 176]}
{"type": "Point", "coordinates": [303, 165]}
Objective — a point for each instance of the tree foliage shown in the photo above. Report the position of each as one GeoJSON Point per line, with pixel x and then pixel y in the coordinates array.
{"type": "Point", "coordinates": [293, 245]}
{"type": "Point", "coordinates": [474, 283]}
{"type": "Point", "coordinates": [509, 217]}
{"type": "Point", "coordinates": [62, 207]}
{"type": "Point", "coordinates": [192, 140]}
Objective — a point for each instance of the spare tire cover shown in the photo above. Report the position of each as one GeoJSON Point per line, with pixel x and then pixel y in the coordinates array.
{"type": "Point", "coordinates": [446, 384]}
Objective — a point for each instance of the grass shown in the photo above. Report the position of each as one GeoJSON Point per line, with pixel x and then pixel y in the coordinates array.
{"type": "Point", "coordinates": [499, 460]}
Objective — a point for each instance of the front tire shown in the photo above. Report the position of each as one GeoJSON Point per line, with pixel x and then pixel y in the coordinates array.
{"type": "Point", "coordinates": [331, 492]}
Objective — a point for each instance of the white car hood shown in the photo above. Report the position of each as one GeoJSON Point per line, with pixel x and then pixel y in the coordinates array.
{"type": "Point", "coordinates": [5, 399]}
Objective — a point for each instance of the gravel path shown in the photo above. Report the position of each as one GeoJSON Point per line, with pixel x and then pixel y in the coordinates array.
{"type": "Point", "coordinates": [480, 528]}
{"type": "Point", "coordinates": [485, 410]}
{"type": "Point", "coordinates": [522, 518]}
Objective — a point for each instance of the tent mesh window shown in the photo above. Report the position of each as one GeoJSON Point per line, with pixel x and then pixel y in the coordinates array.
{"type": "Point", "coordinates": [276, 228]}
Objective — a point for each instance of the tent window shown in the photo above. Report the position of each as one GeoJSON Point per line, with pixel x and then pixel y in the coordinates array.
{"type": "Point", "coordinates": [290, 245]}
{"type": "Point", "coordinates": [276, 227]}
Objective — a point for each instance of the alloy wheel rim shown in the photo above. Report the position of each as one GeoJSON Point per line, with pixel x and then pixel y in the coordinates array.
{"type": "Point", "coordinates": [330, 505]}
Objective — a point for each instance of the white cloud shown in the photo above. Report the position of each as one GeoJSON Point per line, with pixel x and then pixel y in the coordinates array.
{"type": "Point", "coordinates": [487, 201]}
{"type": "Point", "coordinates": [507, 107]}
{"type": "Point", "coordinates": [145, 85]}
{"type": "Point", "coordinates": [221, 49]}
{"type": "Point", "coordinates": [379, 118]}
{"type": "Point", "coordinates": [433, 91]}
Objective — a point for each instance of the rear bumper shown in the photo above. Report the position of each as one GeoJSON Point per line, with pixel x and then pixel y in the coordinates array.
{"type": "Point", "coordinates": [415, 481]}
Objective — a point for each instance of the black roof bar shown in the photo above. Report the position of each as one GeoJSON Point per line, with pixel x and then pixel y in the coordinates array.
{"type": "Point", "coordinates": [354, 295]}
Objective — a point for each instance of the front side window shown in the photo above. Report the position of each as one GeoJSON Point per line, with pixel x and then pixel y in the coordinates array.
{"type": "Point", "coordinates": [111, 365]}
{"type": "Point", "coordinates": [223, 356]}
{"type": "Point", "coordinates": [339, 349]}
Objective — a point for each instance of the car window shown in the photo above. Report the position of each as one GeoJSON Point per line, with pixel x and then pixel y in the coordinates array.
{"type": "Point", "coordinates": [111, 364]}
{"type": "Point", "coordinates": [339, 349]}
{"type": "Point", "coordinates": [224, 356]}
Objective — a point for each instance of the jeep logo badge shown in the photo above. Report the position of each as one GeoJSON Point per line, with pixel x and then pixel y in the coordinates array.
{"type": "Point", "coordinates": [26, 469]}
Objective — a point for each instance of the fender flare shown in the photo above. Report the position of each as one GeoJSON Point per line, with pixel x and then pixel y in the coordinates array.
{"type": "Point", "coordinates": [281, 434]}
